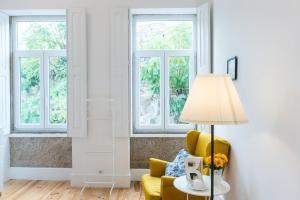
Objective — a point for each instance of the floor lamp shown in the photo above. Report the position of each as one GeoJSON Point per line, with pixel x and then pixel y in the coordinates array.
{"type": "Point", "coordinates": [213, 100]}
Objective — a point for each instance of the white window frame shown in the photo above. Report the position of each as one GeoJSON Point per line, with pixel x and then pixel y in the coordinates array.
{"type": "Point", "coordinates": [44, 56]}
{"type": "Point", "coordinates": [164, 127]}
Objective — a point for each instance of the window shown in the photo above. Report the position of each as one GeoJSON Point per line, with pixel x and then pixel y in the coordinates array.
{"type": "Point", "coordinates": [40, 73]}
{"type": "Point", "coordinates": [163, 70]}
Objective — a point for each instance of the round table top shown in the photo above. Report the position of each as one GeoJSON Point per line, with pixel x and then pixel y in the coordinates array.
{"type": "Point", "coordinates": [181, 184]}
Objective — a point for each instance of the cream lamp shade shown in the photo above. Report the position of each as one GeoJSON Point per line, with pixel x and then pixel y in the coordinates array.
{"type": "Point", "coordinates": [213, 100]}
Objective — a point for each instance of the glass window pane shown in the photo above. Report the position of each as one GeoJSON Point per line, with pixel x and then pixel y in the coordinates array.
{"type": "Point", "coordinates": [164, 35]}
{"type": "Point", "coordinates": [58, 89]}
{"type": "Point", "coordinates": [150, 113]}
{"type": "Point", "coordinates": [30, 104]}
{"type": "Point", "coordinates": [179, 86]}
{"type": "Point", "coordinates": [41, 35]}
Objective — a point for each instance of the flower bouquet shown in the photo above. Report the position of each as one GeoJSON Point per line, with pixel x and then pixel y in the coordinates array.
{"type": "Point", "coordinates": [220, 161]}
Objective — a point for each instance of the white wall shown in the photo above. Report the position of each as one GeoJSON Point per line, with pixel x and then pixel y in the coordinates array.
{"type": "Point", "coordinates": [265, 35]}
{"type": "Point", "coordinates": [98, 22]}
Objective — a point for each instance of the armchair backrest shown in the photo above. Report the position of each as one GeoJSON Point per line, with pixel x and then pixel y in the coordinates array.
{"type": "Point", "coordinates": [198, 144]}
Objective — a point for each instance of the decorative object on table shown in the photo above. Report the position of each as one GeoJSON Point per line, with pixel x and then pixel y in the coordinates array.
{"type": "Point", "coordinates": [193, 168]}
{"type": "Point", "coordinates": [220, 161]}
{"type": "Point", "coordinates": [232, 64]}
{"type": "Point", "coordinates": [176, 168]}
{"type": "Point", "coordinates": [213, 100]}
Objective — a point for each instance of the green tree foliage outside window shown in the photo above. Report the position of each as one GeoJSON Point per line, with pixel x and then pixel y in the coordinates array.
{"type": "Point", "coordinates": [30, 90]}
{"type": "Point", "coordinates": [58, 90]}
{"type": "Point", "coordinates": [149, 90]}
{"type": "Point", "coordinates": [178, 86]}
{"type": "Point", "coordinates": [165, 35]}
{"type": "Point", "coordinates": [42, 35]}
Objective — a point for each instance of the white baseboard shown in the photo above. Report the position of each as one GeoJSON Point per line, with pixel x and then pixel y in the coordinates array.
{"type": "Point", "coordinates": [136, 174]}
{"type": "Point", "coordinates": [121, 181]}
{"type": "Point", "coordinates": [5, 153]}
{"type": "Point", "coordinates": [29, 173]}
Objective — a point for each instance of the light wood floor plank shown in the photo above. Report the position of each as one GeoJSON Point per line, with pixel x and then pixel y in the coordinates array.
{"type": "Point", "coordinates": [61, 190]}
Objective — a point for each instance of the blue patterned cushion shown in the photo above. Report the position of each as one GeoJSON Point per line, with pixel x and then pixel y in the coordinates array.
{"type": "Point", "coordinates": [176, 168]}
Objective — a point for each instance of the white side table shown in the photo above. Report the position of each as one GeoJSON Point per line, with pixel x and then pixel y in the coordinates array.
{"type": "Point", "coordinates": [181, 184]}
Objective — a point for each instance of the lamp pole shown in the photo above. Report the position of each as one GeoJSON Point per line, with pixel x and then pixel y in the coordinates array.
{"type": "Point", "coordinates": [212, 168]}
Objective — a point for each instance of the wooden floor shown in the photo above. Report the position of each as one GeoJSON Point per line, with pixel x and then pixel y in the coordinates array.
{"type": "Point", "coordinates": [54, 190]}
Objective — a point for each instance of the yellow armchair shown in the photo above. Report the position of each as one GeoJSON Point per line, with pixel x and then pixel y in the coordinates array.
{"type": "Point", "coordinates": [157, 186]}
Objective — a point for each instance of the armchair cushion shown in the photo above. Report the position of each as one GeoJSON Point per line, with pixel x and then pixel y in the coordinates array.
{"type": "Point", "coordinates": [176, 168]}
{"type": "Point", "coordinates": [151, 187]}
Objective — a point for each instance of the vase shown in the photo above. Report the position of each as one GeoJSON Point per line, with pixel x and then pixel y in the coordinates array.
{"type": "Point", "coordinates": [217, 176]}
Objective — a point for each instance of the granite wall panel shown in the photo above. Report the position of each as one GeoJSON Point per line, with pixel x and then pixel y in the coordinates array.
{"type": "Point", "coordinates": [41, 152]}
{"type": "Point", "coordinates": [57, 152]}
{"type": "Point", "coordinates": [141, 149]}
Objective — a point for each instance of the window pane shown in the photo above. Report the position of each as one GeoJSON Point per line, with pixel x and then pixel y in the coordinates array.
{"type": "Point", "coordinates": [30, 105]}
{"type": "Point", "coordinates": [179, 86]}
{"type": "Point", "coordinates": [150, 113]}
{"type": "Point", "coordinates": [58, 89]}
{"type": "Point", "coordinates": [164, 35]}
{"type": "Point", "coordinates": [41, 35]}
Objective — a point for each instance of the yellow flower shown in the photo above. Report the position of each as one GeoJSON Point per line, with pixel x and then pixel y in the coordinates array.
{"type": "Point", "coordinates": [222, 163]}
{"type": "Point", "coordinates": [220, 160]}
{"type": "Point", "coordinates": [224, 157]}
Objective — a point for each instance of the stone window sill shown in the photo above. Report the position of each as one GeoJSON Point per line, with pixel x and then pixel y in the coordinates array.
{"type": "Point", "coordinates": [37, 135]}
{"type": "Point", "coordinates": [158, 135]}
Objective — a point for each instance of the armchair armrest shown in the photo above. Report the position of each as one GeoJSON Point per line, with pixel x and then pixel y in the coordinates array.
{"type": "Point", "coordinates": [167, 181]}
{"type": "Point", "coordinates": [168, 191]}
{"type": "Point", "coordinates": [157, 167]}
